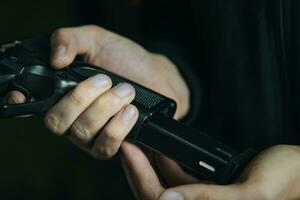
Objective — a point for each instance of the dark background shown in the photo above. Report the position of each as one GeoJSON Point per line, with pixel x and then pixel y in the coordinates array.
{"type": "Point", "coordinates": [34, 163]}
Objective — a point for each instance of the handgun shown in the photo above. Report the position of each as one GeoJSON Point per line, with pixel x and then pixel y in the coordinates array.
{"type": "Point", "coordinates": [25, 67]}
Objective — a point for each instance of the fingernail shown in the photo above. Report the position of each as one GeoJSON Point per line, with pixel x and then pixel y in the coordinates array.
{"type": "Point", "coordinates": [172, 196]}
{"type": "Point", "coordinates": [124, 90]}
{"type": "Point", "coordinates": [59, 52]}
{"type": "Point", "coordinates": [128, 113]}
{"type": "Point", "coordinates": [100, 81]}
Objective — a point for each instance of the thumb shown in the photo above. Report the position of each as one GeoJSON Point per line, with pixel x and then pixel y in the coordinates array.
{"type": "Point", "coordinates": [140, 174]}
{"type": "Point", "coordinates": [67, 43]}
{"type": "Point", "coordinates": [201, 191]}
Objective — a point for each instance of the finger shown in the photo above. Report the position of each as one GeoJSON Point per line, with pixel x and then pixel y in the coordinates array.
{"type": "Point", "coordinates": [67, 43]}
{"type": "Point", "coordinates": [144, 180]}
{"type": "Point", "coordinates": [60, 118]}
{"type": "Point", "coordinates": [15, 97]}
{"type": "Point", "coordinates": [200, 191]}
{"type": "Point", "coordinates": [113, 134]}
{"type": "Point", "coordinates": [169, 168]}
{"type": "Point", "coordinates": [91, 121]}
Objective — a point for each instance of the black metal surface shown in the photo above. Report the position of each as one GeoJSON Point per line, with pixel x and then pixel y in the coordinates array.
{"type": "Point", "coordinates": [196, 152]}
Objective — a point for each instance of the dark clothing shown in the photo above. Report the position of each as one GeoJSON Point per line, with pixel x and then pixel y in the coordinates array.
{"type": "Point", "coordinates": [240, 59]}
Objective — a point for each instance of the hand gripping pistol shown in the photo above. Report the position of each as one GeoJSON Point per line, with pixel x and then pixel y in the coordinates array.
{"type": "Point", "coordinates": [24, 66]}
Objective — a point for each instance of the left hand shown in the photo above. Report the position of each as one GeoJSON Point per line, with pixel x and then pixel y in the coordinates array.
{"type": "Point", "coordinates": [94, 116]}
{"type": "Point", "coordinates": [273, 175]}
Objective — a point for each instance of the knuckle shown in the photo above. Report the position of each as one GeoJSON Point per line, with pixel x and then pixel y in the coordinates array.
{"type": "Point", "coordinates": [80, 133]}
{"type": "Point", "coordinates": [206, 196]}
{"type": "Point", "coordinates": [53, 124]}
{"type": "Point", "coordinates": [58, 34]}
{"type": "Point", "coordinates": [104, 152]}
{"type": "Point", "coordinates": [76, 96]}
{"type": "Point", "coordinates": [95, 30]}
{"type": "Point", "coordinates": [110, 135]}
{"type": "Point", "coordinates": [93, 27]}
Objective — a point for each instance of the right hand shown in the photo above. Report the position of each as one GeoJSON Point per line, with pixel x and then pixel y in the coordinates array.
{"type": "Point", "coordinates": [262, 179]}
{"type": "Point", "coordinates": [93, 111]}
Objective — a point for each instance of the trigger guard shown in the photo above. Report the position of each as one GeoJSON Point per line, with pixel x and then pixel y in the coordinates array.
{"type": "Point", "coordinates": [15, 87]}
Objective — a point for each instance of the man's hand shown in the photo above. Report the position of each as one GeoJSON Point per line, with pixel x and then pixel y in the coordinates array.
{"type": "Point", "coordinates": [122, 56]}
{"type": "Point", "coordinates": [95, 116]}
{"type": "Point", "coordinates": [273, 175]}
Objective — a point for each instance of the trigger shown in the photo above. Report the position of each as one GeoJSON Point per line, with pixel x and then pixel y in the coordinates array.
{"type": "Point", "coordinates": [25, 92]}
